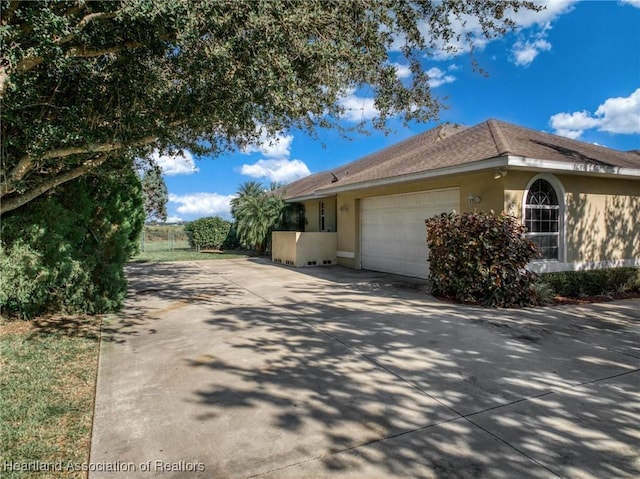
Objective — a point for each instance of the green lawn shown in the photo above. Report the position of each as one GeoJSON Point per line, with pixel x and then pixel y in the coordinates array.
{"type": "Point", "coordinates": [159, 251]}
{"type": "Point", "coordinates": [47, 377]}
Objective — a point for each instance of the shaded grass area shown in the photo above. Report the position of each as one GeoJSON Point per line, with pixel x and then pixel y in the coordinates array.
{"type": "Point", "coordinates": [160, 251]}
{"type": "Point", "coordinates": [47, 377]}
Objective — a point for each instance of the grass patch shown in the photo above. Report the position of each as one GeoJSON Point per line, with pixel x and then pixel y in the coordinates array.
{"type": "Point", "coordinates": [161, 251]}
{"type": "Point", "coordinates": [47, 376]}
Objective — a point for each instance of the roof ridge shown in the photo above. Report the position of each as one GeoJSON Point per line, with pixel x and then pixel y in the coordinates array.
{"type": "Point", "coordinates": [499, 138]}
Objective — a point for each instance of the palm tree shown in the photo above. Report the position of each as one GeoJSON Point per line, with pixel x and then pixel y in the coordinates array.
{"type": "Point", "coordinates": [256, 212]}
{"type": "Point", "coordinates": [248, 189]}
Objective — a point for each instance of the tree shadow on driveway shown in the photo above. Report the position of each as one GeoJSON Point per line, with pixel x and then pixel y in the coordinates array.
{"type": "Point", "coordinates": [309, 377]}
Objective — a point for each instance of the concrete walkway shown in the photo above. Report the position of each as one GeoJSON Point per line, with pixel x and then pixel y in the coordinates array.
{"type": "Point", "coordinates": [243, 368]}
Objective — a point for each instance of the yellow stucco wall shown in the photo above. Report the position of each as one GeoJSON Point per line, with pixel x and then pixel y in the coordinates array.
{"type": "Point", "coordinates": [299, 249]}
{"type": "Point", "coordinates": [601, 216]}
{"type": "Point", "coordinates": [312, 214]}
{"type": "Point", "coordinates": [283, 249]}
{"type": "Point", "coordinates": [482, 185]}
{"type": "Point", "coordinates": [318, 248]}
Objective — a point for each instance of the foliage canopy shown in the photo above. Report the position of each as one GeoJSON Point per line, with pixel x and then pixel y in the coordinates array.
{"type": "Point", "coordinates": [83, 83]}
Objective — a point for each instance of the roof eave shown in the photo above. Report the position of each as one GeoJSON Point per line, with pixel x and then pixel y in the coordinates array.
{"type": "Point", "coordinates": [512, 161]}
{"type": "Point", "coordinates": [312, 196]}
{"type": "Point", "coordinates": [525, 163]}
{"type": "Point", "coordinates": [496, 162]}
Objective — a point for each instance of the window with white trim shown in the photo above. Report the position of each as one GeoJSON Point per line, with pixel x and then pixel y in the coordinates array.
{"type": "Point", "coordinates": [542, 218]}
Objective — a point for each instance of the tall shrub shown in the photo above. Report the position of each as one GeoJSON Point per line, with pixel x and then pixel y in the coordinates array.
{"type": "Point", "coordinates": [65, 252]}
{"type": "Point", "coordinates": [210, 232]}
{"type": "Point", "coordinates": [481, 258]}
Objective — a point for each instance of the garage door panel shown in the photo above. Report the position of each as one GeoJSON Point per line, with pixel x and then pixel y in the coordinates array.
{"type": "Point", "coordinates": [393, 234]}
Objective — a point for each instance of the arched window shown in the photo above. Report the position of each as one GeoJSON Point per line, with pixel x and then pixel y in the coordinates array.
{"type": "Point", "coordinates": [542, 218]}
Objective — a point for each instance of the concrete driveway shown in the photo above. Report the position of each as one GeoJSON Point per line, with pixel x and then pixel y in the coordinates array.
{"type": "Point", "coordinates": [243, 368]}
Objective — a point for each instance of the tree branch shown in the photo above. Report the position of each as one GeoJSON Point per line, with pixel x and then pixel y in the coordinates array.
{"type": "Point", "coordinates": [26, 163]}
{"type": "Point", "coordinates": [7, 13]}
{"type": "Point", "coordinates": [84, 22]}
{"type": "Point", "coordinates": [85, 52]}
{"type": "Point", "coordinates": [30, 63]}
{"type": "Point", "coordinates": [16, 202]}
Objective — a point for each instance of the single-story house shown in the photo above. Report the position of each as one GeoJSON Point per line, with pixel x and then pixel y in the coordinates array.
{"type": "Point", "coordinates": [580, 202]}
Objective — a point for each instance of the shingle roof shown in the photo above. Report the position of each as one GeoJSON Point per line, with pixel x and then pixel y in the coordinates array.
{"type": "Point", "coordinates": [450, 146]}
{"type": "Point", "coordinates": [308, 185]}
{"type": "Point", "coordinates": [545, 146]}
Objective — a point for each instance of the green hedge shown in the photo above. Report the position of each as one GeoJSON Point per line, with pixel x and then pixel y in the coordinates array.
{"type": "Point", "coordinates": [576, 284]}
{"type": "Point", "coordinates": [481, 258]}
{"type": "Point", "coordinates": [210, 232]}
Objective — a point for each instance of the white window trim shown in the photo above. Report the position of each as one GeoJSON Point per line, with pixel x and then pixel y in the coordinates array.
{"type": "Point", "coordinates": [562, 215]}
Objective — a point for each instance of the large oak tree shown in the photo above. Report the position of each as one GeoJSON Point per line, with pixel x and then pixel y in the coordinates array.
{"type": "Point", "coordinates": [84, 83]}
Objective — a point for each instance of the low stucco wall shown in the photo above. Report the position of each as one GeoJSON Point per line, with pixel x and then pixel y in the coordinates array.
{"type": "Point", "coordinates": [304, 249]}
{"type": "Point", "coordinates": [316, 249]}
{"type": "Point", "coordinates": [283, 247]}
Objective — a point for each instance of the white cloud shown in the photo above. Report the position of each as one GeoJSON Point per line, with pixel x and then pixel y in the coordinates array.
{"type": "Point", "coordinates": [205, 204]}
{"type": "Point", "coordinates": [437, 77]}
{"type": "Point", "coordinates": [278, 146]}
{"type": "Point", "coordinates": [174, 219]}
{"type": "Point", "coordinates": [572, 125]}
{"type": "Point", "coordinates": [279, 170]}
{"type": "Point", "coordinates": [358, 108]}
{"type": "Point", "coordinates": [532, 27]}
{"type": "Point", "coordinates": [619, 115]}
{"type": "Point", "coordinates": [402, 71]}
{"type": "Point", "coordinates": [179, 164]}
{"type": "Point", "coordinates": [633, 3]}
{"type": "Point", "coordinates": [458, 44]}
{"type": "Point", "coordinates": [275, 165]}
{"type": "Point", "coordinates": [526, 52]}
{"type": "Point", "coordinates": [552, 10]}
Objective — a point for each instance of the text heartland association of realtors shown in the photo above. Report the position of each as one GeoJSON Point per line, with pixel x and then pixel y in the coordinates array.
{"type": "Point", "coordinates": [70, 466]}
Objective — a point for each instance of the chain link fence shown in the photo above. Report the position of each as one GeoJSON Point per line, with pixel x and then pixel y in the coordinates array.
{"type": "Point", "coordinates": [164, 238]}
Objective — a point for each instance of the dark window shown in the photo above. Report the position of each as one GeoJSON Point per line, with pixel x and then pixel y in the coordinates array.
{"type": "Point", "coordinates": [322, 216]}
{"type": "Point", "coordinates": [542, 218]}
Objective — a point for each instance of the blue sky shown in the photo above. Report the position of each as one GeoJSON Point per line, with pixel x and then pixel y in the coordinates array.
{"type": "Point", "coordinates": [572, 69]}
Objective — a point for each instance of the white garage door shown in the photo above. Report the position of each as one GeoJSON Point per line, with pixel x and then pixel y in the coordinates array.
{"type": "Point", "coordinates": [393, 234]}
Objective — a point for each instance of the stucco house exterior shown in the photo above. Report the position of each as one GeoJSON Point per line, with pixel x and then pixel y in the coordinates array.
{"type": "Point", "coordinates": [580, 202]}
